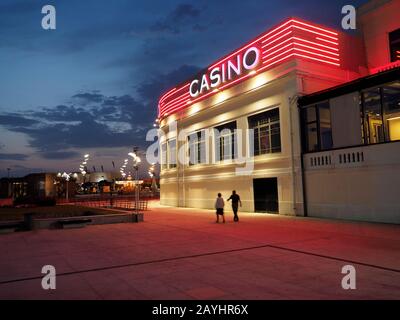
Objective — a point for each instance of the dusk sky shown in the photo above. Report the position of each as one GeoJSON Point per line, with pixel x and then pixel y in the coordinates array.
{"type": "Point", "coordinates": [92, 85]}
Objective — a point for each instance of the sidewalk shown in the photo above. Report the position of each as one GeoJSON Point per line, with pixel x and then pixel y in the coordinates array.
{"type": "Point", "coordinates": [184, 254]}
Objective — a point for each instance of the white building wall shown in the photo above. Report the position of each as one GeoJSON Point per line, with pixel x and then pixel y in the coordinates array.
{"type": "Point", "coordinates": [197, 186]}
{"type": "Point", "coordinates": [365, 189]}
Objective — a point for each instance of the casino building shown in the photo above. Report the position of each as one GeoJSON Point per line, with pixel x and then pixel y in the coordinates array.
{"type": "Point", "coordinates": [302, 120]}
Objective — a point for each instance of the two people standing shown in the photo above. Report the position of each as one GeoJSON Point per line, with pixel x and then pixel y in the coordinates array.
{"type": "Point", "coordinates": [220, 204]}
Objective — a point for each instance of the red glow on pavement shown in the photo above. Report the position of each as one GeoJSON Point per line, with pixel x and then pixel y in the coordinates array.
{"type": "Point", "coordinates": [293, 39]}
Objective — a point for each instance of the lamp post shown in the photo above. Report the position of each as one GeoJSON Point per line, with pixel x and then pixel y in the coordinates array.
{"type": "Point", "coordinates": [153, 179]}
{"type": "Point", "coordinates": [136, 161]}
{"type": "Point", "coordinates": [67, 177]}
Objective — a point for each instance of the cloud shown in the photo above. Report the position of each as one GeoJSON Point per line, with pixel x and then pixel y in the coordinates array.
{"type": "Point", "coordinates": [13, 156]}
{"type": "Point", "coordinates": [94, 120]}
{"type": "Point", "coordinates": [16, 120]}
{"type": "Point", "coordinates": [183, 15]}
{"type": "Point", "coordinates": [60, 155]}
{"type": "Point", "coordinates": [89, 97]}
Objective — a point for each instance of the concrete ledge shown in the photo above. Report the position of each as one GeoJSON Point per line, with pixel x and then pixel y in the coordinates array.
{"type": "Point", "coordinates": [95, 220]}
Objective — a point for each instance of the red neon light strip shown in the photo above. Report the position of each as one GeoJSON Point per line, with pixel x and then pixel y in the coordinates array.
{"type": "Point", "coordinates": [316, 43]}
{"type": "Point", "coordinates": [289, 33]}
{"type": "Point", "coordinates": [268, 39]}
{"type": "Point", "coordinates": [272, 31]}
{"type": "Point", "coordinates": [303, 56]}
{"type": "Point", "coordinates": [176, 108]}
{"type": "Point", "coordinates": [311, 26]}
{"type": "Point", "coordinates": [297, 49]}
{"type": "Point", "coordinates": [177, 98]}
{"type": "Point", "coordinates": [187, 85]}
{"type": "Point", "coordinates": [277, 45]}
{"type": "Point", "coordinates": [317, 54]}
{"type": "Point", "coordinates": [248, 45]}
{"type": "Point", "coordinates": [277, 61]}
{"type": "Point", "coordinates": [335, 43]}
{"type": "Point", "coordinates": [317, 49]}
{"type": "Point", "coordinates": [176, 104]}
{"type": "Point", "coordinates": [169, 93]}
{"type": "Point", "coordinates": [268, 60]}
{"type": "Point", "coordinates": [296, 43]}
{"type": "Point", "coordinates": [318, 33]}
{"type": "Point", "coordinates": [180, 101]}
{"type": "Point", "coordinates": [170, 105]}
{"type": "Point", "coordinates": [269, 43]}
{"type": "Point", "coordinates": [274, 52]}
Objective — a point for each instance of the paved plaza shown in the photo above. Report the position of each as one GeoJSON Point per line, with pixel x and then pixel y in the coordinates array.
{"type": "Point", "coordinates": [183, 254]}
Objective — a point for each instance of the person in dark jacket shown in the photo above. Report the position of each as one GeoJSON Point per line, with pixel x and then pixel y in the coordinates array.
{"type": "Point", "coordinates": [235, 204]}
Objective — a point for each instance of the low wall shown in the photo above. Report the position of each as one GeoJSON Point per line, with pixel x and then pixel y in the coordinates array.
{"type": "Point", "coordinates": [96, 220]}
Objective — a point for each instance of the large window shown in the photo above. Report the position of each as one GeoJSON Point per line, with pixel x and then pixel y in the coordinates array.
{"type": "Point", "coordinates": [394, 40]}
{"type": "Point", "coordinates": [164, 161]}
{"type": "Point", "coordinates": [379, 115]}
{"type": "Point", "coordinates": [172, 153]}
{"type": "Point", "coordinates": [391, 109]}
{"type": "Point", "coordinates": [225, 141]}
{"type": "Point", "coordinates": [373, 115]}
{"type": "Point", "coordinates": [267, 132]}
{"type": "Point", "coordinates": [381, 109]}
{"type": "Point", "coordinates": [317, 127]}
{"type": "Point", "coordinates": [197, 148]}
{"type": "Point", "coordinates": [310, 127]}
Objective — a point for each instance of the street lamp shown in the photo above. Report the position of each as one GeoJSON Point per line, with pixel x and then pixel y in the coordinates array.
{"type": "Point", "coordinates": [153, 179]}
{"type": "Point", "coordinates": [136, 161]}
{"type": "Point", "coordinates": [67, 177]}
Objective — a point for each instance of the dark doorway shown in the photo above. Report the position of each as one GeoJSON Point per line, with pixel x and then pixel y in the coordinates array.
{"type": "Point", "coordinates": [266, 195]}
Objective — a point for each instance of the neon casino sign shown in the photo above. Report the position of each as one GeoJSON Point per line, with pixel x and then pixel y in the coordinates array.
{"type": "Point", "coordinates": [292, 39]}
{"type": "Point", "coordinates": [225, 72]}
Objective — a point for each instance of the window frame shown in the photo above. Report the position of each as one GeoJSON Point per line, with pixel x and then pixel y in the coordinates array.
{"type": "Point", "coordinates": [200, 134]}
{"type": "Point", "coordinates": [172, 165]}
{"type": "Point", "coordinates": [269, 125]}
{"type": "Point", "coordinates": [233, 141]}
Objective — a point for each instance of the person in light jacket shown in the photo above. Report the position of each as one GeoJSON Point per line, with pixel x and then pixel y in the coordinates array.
{"type": "Point", "coordinates": [219, 206]}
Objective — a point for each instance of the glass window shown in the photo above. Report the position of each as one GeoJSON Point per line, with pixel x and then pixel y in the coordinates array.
{"type": "Point", "coordinates": [373, 120]}
{"type": "Point", "coordinates": [394, 40]}
{"type": "Point", "coordinates": [317, 127]}
{"type": "Point", "coordinates": [309, 119]}
{"type": "Point", "coordinates": [172, 153]}
{"type": "Point", "coordinates": [325, 126]}
{"type": "Point", "coordinates": [267, 135]}
{"type": "Point", "coordinates": [225, 142]}
{"type": "Point", "coordinates": [164, 156]}
{"type": "Point", "coordinates": [391, 108]}
{"type": "Point", "coordinates": [312, 137]}
{"type": "Point", "coordinates": [197, 148]}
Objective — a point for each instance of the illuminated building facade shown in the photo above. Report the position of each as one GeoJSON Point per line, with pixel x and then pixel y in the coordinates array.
{"type": "Point", "coordinates": [351, 133]}
{"type": "Point", "coordinates": [250, 101]}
